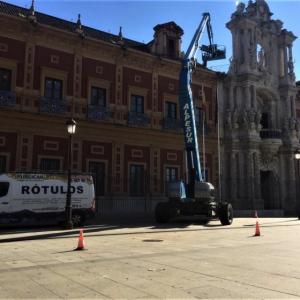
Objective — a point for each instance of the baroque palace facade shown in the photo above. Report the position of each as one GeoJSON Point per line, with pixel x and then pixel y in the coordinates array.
{"type": "Point", "coordinates": [123, 95]}
{"type": "Point", "coordinates": [261, 129]}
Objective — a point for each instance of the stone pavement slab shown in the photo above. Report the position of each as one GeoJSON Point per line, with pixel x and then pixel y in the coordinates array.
{"type": "Point", "coordinates": [179, 260]}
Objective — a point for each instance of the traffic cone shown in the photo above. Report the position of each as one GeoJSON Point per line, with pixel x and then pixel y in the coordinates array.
{"type": "Point", "coordinates": [81, 244]}
{"type": "Point", "coordinates": [257, 230]}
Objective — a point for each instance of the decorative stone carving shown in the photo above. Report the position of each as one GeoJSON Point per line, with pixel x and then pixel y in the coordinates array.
{"type": "Point", "coordinates": [232, 119]}
{"type": "Point", "coordinates": [260, 79]}
{"type": "Point", "coordinates": [239, 10]}
{"type": "Point", "coordinates": [268, 160]}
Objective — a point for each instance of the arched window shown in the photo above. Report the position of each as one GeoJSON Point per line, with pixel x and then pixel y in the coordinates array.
{"type": "Point", "coordinates": [260, 56]}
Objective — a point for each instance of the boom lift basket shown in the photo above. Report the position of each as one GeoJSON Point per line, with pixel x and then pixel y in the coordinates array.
{"type": "Point", "coordinates": [212, 52]}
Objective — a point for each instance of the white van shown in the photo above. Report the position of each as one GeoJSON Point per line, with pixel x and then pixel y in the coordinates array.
{"type": "Point", "coordinates": [25, 197]}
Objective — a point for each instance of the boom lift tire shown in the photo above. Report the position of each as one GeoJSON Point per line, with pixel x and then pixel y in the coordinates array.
{"type": "Point", "coordinates": [225, 213]}
{"type": "Point", "coordinates": [162, 212]}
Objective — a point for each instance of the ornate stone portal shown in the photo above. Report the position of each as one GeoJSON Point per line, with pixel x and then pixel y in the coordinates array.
{"type": "Point", "coordinates": [259, 115]}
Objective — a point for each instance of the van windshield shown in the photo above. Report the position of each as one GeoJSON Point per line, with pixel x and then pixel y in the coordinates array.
{"type": "Point", "coordinates": [4, 188]}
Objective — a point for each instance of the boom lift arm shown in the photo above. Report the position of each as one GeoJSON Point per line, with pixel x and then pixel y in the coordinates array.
{"type": "Point", "coordinates": [186, 98]}
{"type": "Point", "coordinates": [195, 197]}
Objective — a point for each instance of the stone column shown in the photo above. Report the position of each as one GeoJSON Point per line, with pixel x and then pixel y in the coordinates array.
{"type": "Point", "coordinates": [290, 60]}
{"type": "Point", "coordinates": [230, 96]}
{"type": "Point", "coordinates": [250, 179]}
{"type": "Point", "coordinates": [285, 61]}
{"type": "Point", "coordinates": [290, 197]}
{"type": "Point", "coordinates": [238, 96]}
{"type": "Point", "coordinates": [247, 97]}
{"type": "Point", "coordinates": [256, 172]}
{"type": "Point", "coordinates": [233, 176]}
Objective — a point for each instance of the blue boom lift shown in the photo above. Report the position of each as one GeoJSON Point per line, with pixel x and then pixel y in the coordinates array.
{"type": "Point", "coordinates": [195, 197]}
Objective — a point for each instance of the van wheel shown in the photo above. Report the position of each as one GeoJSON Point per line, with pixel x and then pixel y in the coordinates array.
{"type": "Point", "coordinates": [77, 219]}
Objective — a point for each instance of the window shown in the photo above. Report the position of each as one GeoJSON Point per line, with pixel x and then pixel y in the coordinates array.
{"type": "Point", "coordinates": [171, 110]}
{"type": "Point", "coordinates": [98, 96]}
{"type": "Point", "coordinates": [50, 164]}
{"type": "Point", "coordinates": [137, 104]}
{"type": "Point", "coordinates": [198, 116]}
{"type": "Point", "coordinates": [2, 164]}
{"type": "Point", "coordinates": [136, 180]}
{"type": "Point", "coordinates": [53, 88]}
{"type": "Point", "coordinates": [5, 79]}
{"type": "Point", "coordinates": [4, 188]}
{"type": "Point", "coordinates": [265, 120]}
{"type": "Point", "coordinates": [171, 174]}
{"type": "Point", "coordinates": [98, 172]}
{"type": "Point", "coordinates": [171, 47]}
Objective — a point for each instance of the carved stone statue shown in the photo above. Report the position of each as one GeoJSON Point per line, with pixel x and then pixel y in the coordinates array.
{"type": "Point", "coordinates": [261, 59]}
{"type": "Point", "coordinates": [239, 10]}
{"type": "Point", "coordinates": [257, 119]}
{"type": "Point", "coordinates": [291, 67]}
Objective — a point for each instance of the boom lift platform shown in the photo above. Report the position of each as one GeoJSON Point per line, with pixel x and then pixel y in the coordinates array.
{"type": "Point", "coordinates": [194, 197]}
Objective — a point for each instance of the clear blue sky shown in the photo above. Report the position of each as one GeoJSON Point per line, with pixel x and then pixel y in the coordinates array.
{"type": "Point", "coordinates": [139, 17]}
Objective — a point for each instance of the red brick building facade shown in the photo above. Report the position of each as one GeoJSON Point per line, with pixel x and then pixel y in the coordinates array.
{"type": "Point", "coordinates": [123, 95]}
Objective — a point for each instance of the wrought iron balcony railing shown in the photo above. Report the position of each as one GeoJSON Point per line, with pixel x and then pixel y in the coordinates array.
{"type": "Point", "coordinates": [96, 112]}
{"type": "Point", "coordinates": [7, 98]}
{"type": "Point", "coordinates": [174, 124]}
{"type": "Point", "coordinates": [270, 134]}
{"type": "Point", "coordinates": [53, 106]}
{"type": "Point", "coordinates": [138, 119]}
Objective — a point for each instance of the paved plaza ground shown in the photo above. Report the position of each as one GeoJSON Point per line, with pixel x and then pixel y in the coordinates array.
{"type": "Point", "coordinates": [134, 260]}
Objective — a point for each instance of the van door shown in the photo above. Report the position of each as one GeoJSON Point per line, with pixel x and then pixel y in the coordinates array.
{"type": "Point", "coordinates": [4, 197]}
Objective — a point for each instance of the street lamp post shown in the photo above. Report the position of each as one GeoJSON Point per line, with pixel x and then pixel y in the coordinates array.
{"type": "Point", "coordinates": [297, 157]}
{"type": "Point", "coordinates": [71, 127]}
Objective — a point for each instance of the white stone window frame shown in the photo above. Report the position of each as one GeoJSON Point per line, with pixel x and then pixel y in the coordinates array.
{"type": "Point", "coordinates": [169, 154]}
{"type": "Point", "coordinates": [168, 165]}
{"type": "Point", "coordinates": [11, 65]}
{"type": "Point", "coordinates": [46, 145]}
{"type": "Point", "coordinates": [105, 162]}
{"type": "Point", "coordinates": [175, 166]}
{"type": "Point", "coordinates": [171, 98]}
{"type": "Point", "coordinates": [97, 149]}
{"type": "Point", "coordinates": [137, 153]}
{"type": "Point", "coordinates": [98, 83]}
{"type": "Point", "coordinates": [60, 158]}
{"type": "Point", "coordinates": [55, 74]}
{"type": "Point", "coordinates": [138, 91]}
{"type": "Point", "coordinates": [129, 164]}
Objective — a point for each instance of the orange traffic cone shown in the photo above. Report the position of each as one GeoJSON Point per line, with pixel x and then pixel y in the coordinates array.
{"type": "Point", "coordinates": [81, 244]}
{"type": "Point", "coordinates": [257, 230]}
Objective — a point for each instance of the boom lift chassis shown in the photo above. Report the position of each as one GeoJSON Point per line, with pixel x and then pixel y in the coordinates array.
{"type": "Point", "coordinates": [195, 197]}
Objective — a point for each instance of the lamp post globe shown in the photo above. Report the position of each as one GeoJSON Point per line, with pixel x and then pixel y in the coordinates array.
{"type": "Point", "coordinates": [71, 128]}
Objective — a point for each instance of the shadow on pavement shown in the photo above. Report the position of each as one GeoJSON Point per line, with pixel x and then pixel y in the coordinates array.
{"type": "Point", "coordinates": [105, 225]}
{"type": "Point", "coordinates": [97, 225]}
